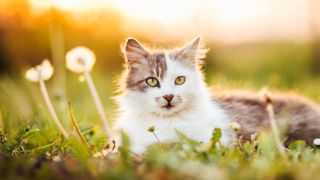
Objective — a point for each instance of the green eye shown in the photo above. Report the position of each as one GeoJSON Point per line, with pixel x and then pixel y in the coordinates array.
{"type": "Point", "coordinates": [180, 80]}
{"type": "Point", "coordinates": [152, 82]}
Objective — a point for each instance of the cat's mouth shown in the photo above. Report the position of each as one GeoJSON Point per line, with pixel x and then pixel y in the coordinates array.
{"type": "Point", "coordinates": [168, 106]}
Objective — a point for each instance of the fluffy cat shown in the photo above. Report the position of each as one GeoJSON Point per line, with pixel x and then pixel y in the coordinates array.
{"type": "Point", "coordinates": [166, 89]}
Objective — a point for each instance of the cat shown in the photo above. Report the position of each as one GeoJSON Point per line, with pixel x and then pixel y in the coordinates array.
{"type": "Point", "coordinates": [165, 89]}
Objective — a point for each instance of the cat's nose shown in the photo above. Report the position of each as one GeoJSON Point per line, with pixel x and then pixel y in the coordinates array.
{"type": "Point", "coordinates": [168, 97]}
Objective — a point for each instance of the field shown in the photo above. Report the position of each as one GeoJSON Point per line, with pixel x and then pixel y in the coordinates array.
{"type": "Point", "coordinates": [253, 45]}
{"type": "Point", "coordinates": [31, 146]}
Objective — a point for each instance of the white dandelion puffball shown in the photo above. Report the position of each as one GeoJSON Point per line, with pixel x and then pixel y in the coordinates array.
{"type": "Point", "coordinates": [234, 126]}
{"type": "Point", "coordinates": [316, 142]}
{"type": "Point", "coordinates": [43, 71]}
{"type": "Point", "coordinates": [80, 59]}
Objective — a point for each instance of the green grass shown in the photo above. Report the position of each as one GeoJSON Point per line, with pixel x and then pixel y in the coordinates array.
{"type": "Point", "coordinates": [31, 146]}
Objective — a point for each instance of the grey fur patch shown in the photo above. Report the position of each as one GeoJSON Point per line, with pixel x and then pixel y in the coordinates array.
{"type": "Point", "coordinates": [190, 54]}
{"type": "Point", "coordinates": [300, 117]}
{"type": "Point", "coordinates": [154, 65]}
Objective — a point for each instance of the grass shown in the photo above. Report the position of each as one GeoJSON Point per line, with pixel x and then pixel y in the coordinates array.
{"type": "Point", "coordinates": [31, 146]}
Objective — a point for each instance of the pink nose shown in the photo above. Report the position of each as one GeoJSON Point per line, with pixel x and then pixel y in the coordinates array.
{"type": "Point", "coordinates": [168, 97]}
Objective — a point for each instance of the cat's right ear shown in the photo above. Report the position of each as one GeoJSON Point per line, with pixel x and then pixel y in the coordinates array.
{"type": "Point", "coordinates": [134, 53]}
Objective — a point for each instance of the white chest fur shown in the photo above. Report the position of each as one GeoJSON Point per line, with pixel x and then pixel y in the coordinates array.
{"type": "Point", "coordinates": [197, 123]}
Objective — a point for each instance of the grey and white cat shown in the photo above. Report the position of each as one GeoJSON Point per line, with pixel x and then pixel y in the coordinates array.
{"type": "Point", "coordinates": [166, 89]}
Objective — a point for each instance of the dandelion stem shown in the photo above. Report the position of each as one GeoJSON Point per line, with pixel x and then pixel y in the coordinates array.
{"type": "Point", "coordinates": [53, 113]}
{"type": "Point", "coordinates": [275, 129]}
{"type": "Point", "coordinates": [97, 101]}
{"type": "Point", "coordinates": [155, 135]}
{"type": "Point", "coordinates": [136, 154]}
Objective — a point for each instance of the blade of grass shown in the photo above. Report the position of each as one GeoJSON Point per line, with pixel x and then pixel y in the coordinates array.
{"type": "Point", "coordinates": [47, 146]}
{"type": "Point", "coordinates": [23, 133]}
{"type": "Point", "coordinates": [67, 142]}
{"type": "Point", "coordinates": [76, 127]}
{"type": "Point", "coordinates": [1, 123]}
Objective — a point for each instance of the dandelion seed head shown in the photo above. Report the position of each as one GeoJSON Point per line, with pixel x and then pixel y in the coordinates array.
{"type": "Point", "coordinates": [98, 155]}
{"type": "Point", "coordinates": [234, 126]}
{"type": "Point", "coordinates": [254, 137]}
{"type": "Point", "coordinates": [316, 142]}
{"type": "Point", "coordinates": [56, 158]}
{"type": "Point", "coordinates": [80, 59]}
{"type": "Point", "coordinates": [43, 71]}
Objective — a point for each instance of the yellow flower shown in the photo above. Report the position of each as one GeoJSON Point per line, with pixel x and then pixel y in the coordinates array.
{"type": "Point", "coordinates": [234, 126]}
{"type": "Point", "coordinates": [43, 71]}
{"type": "Point", "coordinates": [80, 59]}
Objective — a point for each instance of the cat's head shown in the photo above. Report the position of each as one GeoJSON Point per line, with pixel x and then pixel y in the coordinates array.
{"type": "Point", "coordinates": [163, 82]}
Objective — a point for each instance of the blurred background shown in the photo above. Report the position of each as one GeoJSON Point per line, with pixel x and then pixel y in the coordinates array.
{"type": "Point", "coordinates": [253, 44]}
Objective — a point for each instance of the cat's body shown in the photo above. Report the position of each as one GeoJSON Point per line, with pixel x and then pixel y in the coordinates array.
{"type": "Point", "coordinates": [298, 116]}
{"type": "Point", "coordinates": [166, 90]}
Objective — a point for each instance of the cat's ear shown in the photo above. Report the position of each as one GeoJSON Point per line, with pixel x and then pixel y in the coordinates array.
{"type": "Point", "coordinates": [192, 51]}
{"type": "Point", "coordinates": [134, 52]}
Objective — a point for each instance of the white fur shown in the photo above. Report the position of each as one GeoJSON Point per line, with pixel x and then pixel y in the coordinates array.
{"type": "Point", "coordinates": [194, 113]}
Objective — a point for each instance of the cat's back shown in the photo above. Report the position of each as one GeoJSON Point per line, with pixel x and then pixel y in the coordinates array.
{"type": "Point", "coordinates": [299, 116]}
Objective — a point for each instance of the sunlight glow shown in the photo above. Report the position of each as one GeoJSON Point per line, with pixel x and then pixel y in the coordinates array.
{"type": "Point", "coordinates": [165, 11]}
{"type": "Point", "coordinates": [71, 5]}
{"type": "Point", "coordinates": [225, 20]}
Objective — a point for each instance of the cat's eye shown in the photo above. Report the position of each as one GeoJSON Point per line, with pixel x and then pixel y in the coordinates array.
{"type": "Point", "coordinates": [180, 80]}
{"type": "Point", "coordinates": [152, 82]}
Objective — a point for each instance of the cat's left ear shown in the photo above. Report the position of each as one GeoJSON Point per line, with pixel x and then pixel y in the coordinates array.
{"type": "Point", "coordinates": [135, 53]}
{"type": "Point", "coordinates": [192, 51]}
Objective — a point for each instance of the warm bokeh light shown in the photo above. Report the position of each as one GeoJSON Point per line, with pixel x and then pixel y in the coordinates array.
{"type": "Point", "coordinates": [165, 11]}
{"type": "Point", "coordinates": [71, 5]}
{"type": "Point", "coordinates": [228, 21]}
